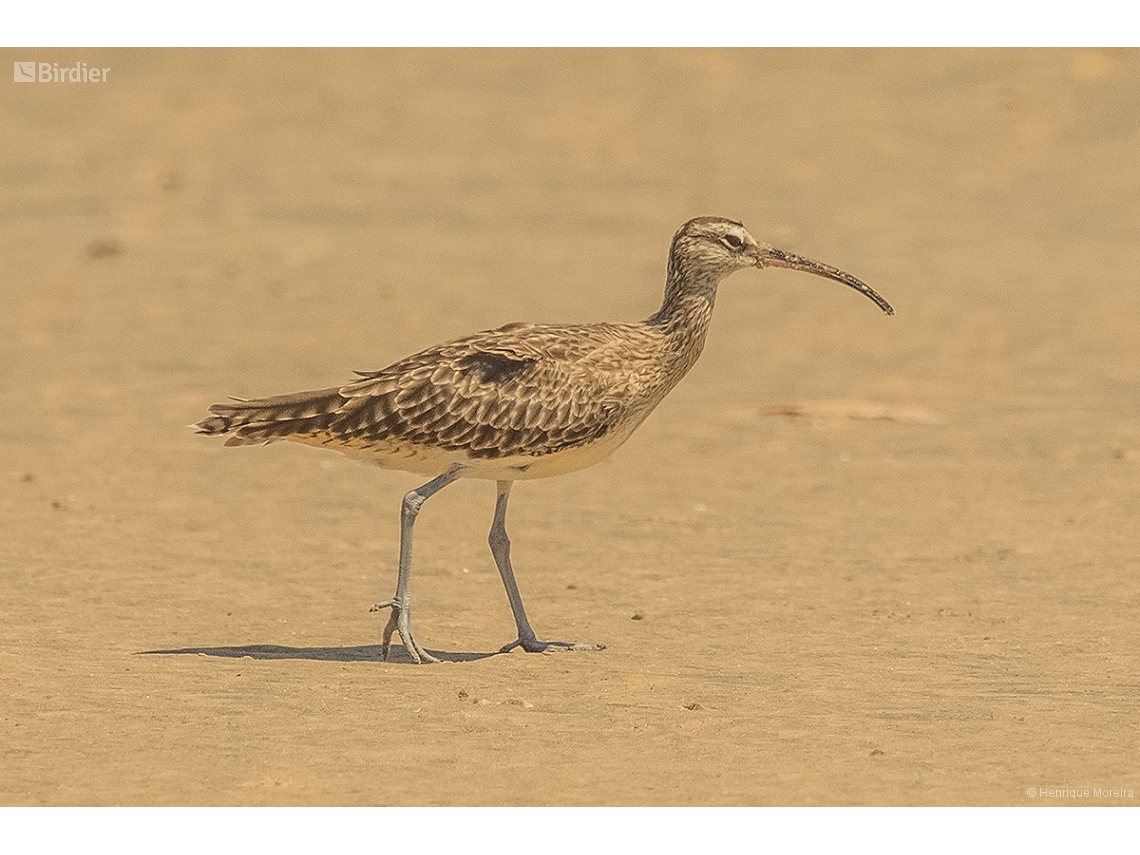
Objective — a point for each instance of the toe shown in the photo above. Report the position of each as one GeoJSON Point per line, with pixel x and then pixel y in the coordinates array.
{"type": "Point", "coordinates": [534, 645]}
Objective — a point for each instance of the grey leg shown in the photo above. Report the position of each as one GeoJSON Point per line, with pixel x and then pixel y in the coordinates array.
{"type": "Point", "coordinates": [501, 550]}
{"type": "Point", "coordinates": [400, 618]}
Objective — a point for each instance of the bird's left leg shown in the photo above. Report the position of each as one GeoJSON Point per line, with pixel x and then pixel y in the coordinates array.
{"type": "Point", "coordinates": [400, 618]}
{"type": "Point", "coordinates": [501, 550]}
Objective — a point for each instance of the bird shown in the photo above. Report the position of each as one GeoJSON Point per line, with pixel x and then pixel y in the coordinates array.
{"type": "Point", "coordinates": [518, 402]}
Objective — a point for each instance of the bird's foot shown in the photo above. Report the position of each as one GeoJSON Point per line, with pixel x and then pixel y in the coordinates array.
{"type": "Point", "coordinates": [532, 645]}
{"type": "Point", "coordinates": [399, 620]}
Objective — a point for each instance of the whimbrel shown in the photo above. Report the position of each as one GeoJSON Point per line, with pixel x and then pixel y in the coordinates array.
{"type": "Point", "coordinates": [518, 402]}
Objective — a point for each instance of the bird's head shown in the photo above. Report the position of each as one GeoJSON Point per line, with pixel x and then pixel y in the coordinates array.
{"type": "Point", "coordinates": [713, 247]}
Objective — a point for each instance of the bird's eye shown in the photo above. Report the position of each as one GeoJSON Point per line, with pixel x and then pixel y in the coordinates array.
{"type": "Point", "coordinates": [732, 241]}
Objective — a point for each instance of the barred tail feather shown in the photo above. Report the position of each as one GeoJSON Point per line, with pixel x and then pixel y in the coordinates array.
{"type": "Point", "coordinates": [265, 420]}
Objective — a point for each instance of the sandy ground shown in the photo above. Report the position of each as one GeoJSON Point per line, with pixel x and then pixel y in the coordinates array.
{"type": "Point", "coordinates": [851, 560]}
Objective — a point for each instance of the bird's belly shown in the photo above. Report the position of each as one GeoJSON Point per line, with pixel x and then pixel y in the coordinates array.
{"type": "Point", "coordinates": [433, 460]}
{"type": "Point", "coordinates": [523, 467]}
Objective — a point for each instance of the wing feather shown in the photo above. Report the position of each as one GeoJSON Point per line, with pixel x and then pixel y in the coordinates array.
{"type": "Point", "coordinates": [517, 390]}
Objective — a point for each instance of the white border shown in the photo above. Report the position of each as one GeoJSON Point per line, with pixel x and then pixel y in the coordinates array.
{"type": "Point", "coordinates": [606, 23]}
{"type": "Point", "coordinates": [553, 831]}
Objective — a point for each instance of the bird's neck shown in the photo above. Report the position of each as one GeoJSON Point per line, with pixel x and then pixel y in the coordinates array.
{"type": "Point", "coordinates": [684, 316]}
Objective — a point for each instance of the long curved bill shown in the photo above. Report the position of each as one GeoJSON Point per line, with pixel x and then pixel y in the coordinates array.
{"type": "Point", "coordinates": [766, 256]}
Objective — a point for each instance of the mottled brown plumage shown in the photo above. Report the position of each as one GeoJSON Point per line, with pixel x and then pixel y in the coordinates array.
{"type": "Point", "coordinates": [518, 393]}
{"type": "Point", "coordinates": [521, 401]}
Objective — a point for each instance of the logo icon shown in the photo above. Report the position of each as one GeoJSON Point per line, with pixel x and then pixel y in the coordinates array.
{"type": "Point", "coordinates": [24, 72]}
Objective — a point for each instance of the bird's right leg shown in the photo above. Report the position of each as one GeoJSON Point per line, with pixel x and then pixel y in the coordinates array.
{"type": "Point", "coordinates": [400, 618]}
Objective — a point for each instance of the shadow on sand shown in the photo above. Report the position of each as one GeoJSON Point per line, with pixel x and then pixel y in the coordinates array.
{"type": "Point", "coordinates": [363, 653]}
